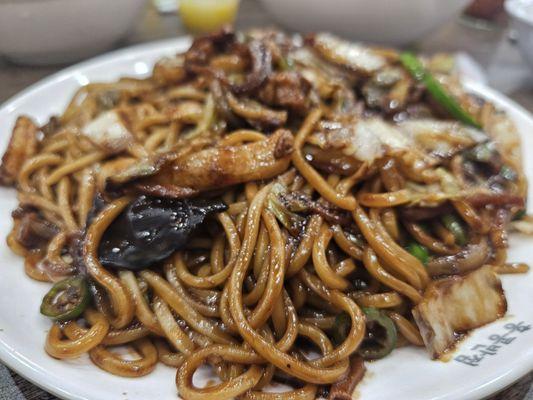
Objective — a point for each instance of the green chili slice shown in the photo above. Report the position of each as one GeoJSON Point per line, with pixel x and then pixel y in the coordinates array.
{"type": "Point", "coordinates": [341, 328]}
{"type": "Point", "coordinates": [67, 299]}
{"type": "Point", "coordinates": [436, 90]}
{"type": "Point", "coordinates": [419, 251]}
{"type": "Point", "coordinates": [381, 335]}
{"type": "Point", "coordinates": [454, 225]}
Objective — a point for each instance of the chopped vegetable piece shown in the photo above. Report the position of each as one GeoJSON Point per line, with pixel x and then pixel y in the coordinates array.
{"type": "Point", "coordinates": [341, 328]}
{"type": "Point", "coordinates": [483, 152]}
{"type": "Point", "coordinates": [381, 335]}
{"type": "Point", "coordinates": [436, 90]}
{"type": "Point", "coordinates": [454, 225]}
{"type": "Point", "coordinates": [419, 252]}
{"type": "Point", "coordinates": [453, 306]}
{"type": "Point", "coordinates": [519, 215]}
{"type": "Point", "coordinates": [67, 299]}
{"type": "Point", "coordinates": [290, 220]}
{"type": "Point", "coordinates": [508, 173]}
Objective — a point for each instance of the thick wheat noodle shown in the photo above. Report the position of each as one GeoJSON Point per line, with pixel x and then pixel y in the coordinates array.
{"type": "Point", "coordinates": [305, 247]}
{"type": "Point", "coordinates": [470, 216]}
{"type": "Point", "coordinates": [56, 146]}
{"type": "Point", "coordinates": [184, 309]}
{"type": "Point", "coordinates": [282, 360]}
{"type": "Point", "coordinates": [344, 303]}
{"type": "Point", "coordinates": [123, 307]}
{"type": "Point", "coordinates": [207, 310]}
{"type": "Point", "coordinates": [114, 337]}
{"type": "Point", "coordinates": [39, 202]}
{"type": "Point", "coordinates": [166, 356]}
{"type": "Point", "coordinates": [425, 239]}
{"type": "Point", "coordinates": [386, 249]}
{"type": "Point", "coordinates": [309, 173]}
{"type": "Point", "coordinates": [345, 244]}
{"type": "Point", "coordinates": [42, 186]}
{"type": "Point", "coordinates": [74, 166]}
{"type": "Point", "coordinates": [385, 200]}
{"type": "Point", "coordinates": [411, 262]}
{"type": "Point", "coordinates": [30, 264]}
{"type": "Point", "coordinates": [379, 273]}
{"type": "Point", "coordinates": [444, 234]}
{"type": "Point", "coordinates": [345, 267]}
{"type": "Point", "coordinates": [142, 310]}
{"type": "Point", "coordinates": [72, 348]}
{"type": "Point", "coordinates": [330, 278]}
{"type": "Point", "coordinates": [216, 261]}
{"type": "Point", "coordinates": [59, 268]}
{"type": "Point", "coordinates": [308, 392]}
{"type": "Point", "coordinates": [499, 256]}
{"type": "Point", "coordinates": [261, 253]}
{"type": "Point", "coordinates": [219, 277]}
{"type": "Point", "coordinates": [406, 328]}
{"type": "Point", "coordinates": [253, 296]}
{"type": "Point", "coordinates": [389, 220]}
{"type": "Point", "coordinates": [274, 286]}
{"type": "Point", "coordinates": [175, 335]}
{"type": "Point", "coordinates": [240, 136]}
{"type": "Point", "coordinates": [34, 164]}
{"type": "Point", "coordinates": [63, 201]}
{"type": "Point", "coordinates": [86, 192]}
{"type": "Point", "coordinates": [512, 268]}
{"type": "Point", "coordinates": [379, 300]}
{"type": "Point", "coordinates": [154, 141]}
{"type": "Point", "coordinates": [116, 365]}
{"type": "Point", "coordinates": [225, 390]}
{"type": "Point", "coordinates": [298, 292]}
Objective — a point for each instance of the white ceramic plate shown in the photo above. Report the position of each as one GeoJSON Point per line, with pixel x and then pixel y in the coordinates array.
{"type": "Point", "coordinates": [504, 348]}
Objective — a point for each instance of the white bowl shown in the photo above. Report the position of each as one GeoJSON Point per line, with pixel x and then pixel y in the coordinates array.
{"type": "Point", "coordinates": [393, 22]}
{"type": "Point", "coordinates": [60, 31]}
{"type": "Point", "coordinates": [521, 13]}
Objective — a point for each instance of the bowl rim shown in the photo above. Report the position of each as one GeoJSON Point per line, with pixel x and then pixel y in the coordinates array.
{"type": "Point", "coordinates": [516, 9]}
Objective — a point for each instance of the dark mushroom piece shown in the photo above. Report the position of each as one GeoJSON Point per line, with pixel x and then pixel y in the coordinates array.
{"type": "Point", "coordinates": [473, 256]}
{"type": "Point", "coordinates": [150, 229]}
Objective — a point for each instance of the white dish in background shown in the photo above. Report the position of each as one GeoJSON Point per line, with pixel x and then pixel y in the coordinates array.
{"type": "Point", "coordinates": [408, 374]}
{"type": "Point", "coordinates": [521, 12]}
{"type": "Point", "coordinates": [396, 22]}
{"type": "Point", "coordinates": [61, 31]}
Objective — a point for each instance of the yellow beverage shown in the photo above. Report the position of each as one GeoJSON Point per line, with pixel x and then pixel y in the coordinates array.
{"type": "Point", "coordinates": [207, 15]}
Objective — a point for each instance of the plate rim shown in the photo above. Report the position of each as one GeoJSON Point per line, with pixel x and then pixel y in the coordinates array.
{"type": "Point", "coordinates": [22, 365]}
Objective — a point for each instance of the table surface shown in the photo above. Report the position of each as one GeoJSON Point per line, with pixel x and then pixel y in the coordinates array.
{"type": "Point", "coordinates": [491, 49]}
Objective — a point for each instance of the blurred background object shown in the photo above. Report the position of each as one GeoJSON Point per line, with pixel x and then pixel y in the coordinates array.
{"type": "Point", "coordinates": [377, 21]}
{"type": "Point", "coordinates": [521, 13]}
{"type": "Point", "coordinates": [200, 16]}
{"type": "Point", "coordinates": [60, 31]}
{"type": "Point", "coordinates": [166, 6]}
{"type": "Point", "coordinates": [485, 9]}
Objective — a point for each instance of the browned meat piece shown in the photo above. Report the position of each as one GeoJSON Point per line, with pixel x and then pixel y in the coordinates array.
{"type": "Point", "coordinates": [343, 389]}
{"type": "Point", "coordinates": [255, 113]}
{"type": "Point", "coordinates": [22, 145]}
{"type": "Point", "coordinates": [453, 306]}
{"type": "Point", "coordinates": [286, 90]}
{"type": "Point", "coordinates": [346, 54]}
{"type": "Point", "coordinates": [212, 168]}
{"type": "Point", "coordinates": [473, 256]}
{"type": "Point", "coordinates": [31, 230]}
{"type": "Point", "coordinates": [261, 68]}
{"type": "Point", "coordinates": [109, 132]}
{"type": "Point", "coordinates": [170, 70]}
